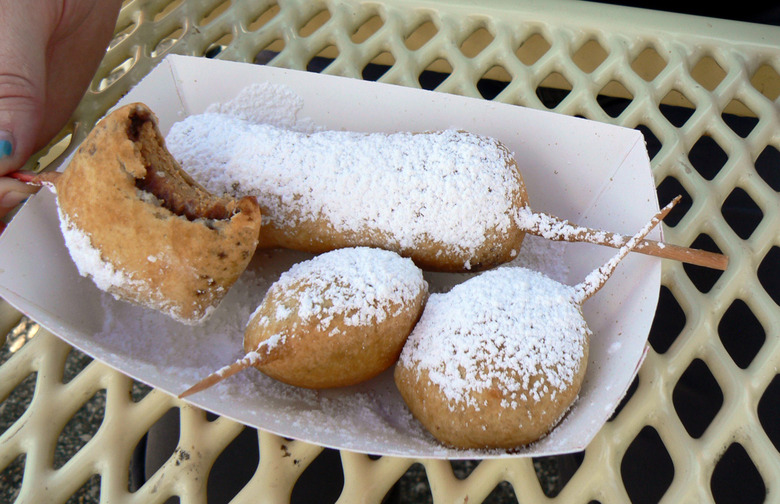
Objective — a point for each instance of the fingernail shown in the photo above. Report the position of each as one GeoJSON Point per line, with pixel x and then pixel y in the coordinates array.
{"type": "Point", "coordinates": [6, 144]}
{"type": "Point", "coordinates": [13, 198]}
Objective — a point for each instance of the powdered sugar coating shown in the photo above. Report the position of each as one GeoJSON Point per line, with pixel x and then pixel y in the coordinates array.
{"type": "Point", "coordinates": [117, 282]}
{"type": "Point", "coordinates": [411, 187]}
{"type": "Point", "coordinates": [363, 285]}
{"type": "Point", "coordinates": [502, 329]}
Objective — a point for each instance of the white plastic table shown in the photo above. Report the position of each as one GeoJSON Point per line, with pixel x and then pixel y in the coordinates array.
{"type": "Point", "coordinates": [703, 414]}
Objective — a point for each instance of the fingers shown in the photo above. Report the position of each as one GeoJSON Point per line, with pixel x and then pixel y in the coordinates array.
{"type": "Point", "coordinates": [13, 193]}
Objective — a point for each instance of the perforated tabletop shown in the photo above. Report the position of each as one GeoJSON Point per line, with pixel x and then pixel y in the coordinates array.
{"type": "Point", "coordinates": [701, 422]}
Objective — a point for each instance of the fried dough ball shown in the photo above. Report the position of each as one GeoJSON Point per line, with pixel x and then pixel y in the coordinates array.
{"type": "Point", "coordinates": [142, 229]}
{"type": "Point", "coordinates": [335, 320]}
{"type": "Point", "coordinates": [340, 318]}
{"type": "Point", "coordinates": [496, 361]}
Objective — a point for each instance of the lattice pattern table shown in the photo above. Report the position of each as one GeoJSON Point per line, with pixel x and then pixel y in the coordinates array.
{"type": "Point", "coordinates": [701, 419]}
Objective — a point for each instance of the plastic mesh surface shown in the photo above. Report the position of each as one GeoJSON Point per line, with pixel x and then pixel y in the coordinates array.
{"type": "Point", "coordinates": [700, 423]}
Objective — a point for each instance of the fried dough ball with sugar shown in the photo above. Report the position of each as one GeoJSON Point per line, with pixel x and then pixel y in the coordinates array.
{"type": "Point", "coordinates": [335, 320]}
{"type": "Point", "coordinates": [142, 229]}
{"type": "Point", "coordinates": [498, 360]}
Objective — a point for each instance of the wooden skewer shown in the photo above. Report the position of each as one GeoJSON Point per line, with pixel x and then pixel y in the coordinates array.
{"type": "Point", "coordinates": [264, 354]}
{"type": "Point", "coordinates": [549, 227]}
{"type": "Point", "coordinates": [35, 178]}
{"type": "Point", "coordinates": [595, 280]}
{"type": "Point", "coordinates": [557, 229]}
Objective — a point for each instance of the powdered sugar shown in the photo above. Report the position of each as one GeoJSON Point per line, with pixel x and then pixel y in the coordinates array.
{"type": "Point", "coordinates": [89, 261]}
{"type": "Point", "coordinates": [501, 329]}
{"type": "Point", "coordinates": [363, 286]}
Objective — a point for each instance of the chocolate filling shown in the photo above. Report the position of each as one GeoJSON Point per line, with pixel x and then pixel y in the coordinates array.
{"type": "Point", "coordinates": [166, 180]}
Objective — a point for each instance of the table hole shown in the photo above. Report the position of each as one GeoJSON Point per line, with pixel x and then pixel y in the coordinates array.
{"type": "Point", "coordinates": [742, 214]}
{"type": "Point", "coordinates": [80, 429]}
{"type": "Point", "coordinates": [629, 394]}
{"type": "Point", "coordinates": [767, 81]}
{"type": "Point", "coordinates": [219, 45]}
{"type": "Point", "coordinates": [166, 42]}
{"type": "Point", "coordinates": [322, 481]}
{"type": "Point", "coordinates": [269, 52]}
{"type": "Point", "coordinates": [215, 13]}
{"type": "Point", "coordinates": [462, 469]}
{"type": "Point", "coordinates": [667, 190]}
{"type": "Point", "coordinates": [476, 42]}
{"type": "Point", "coordinates": [736, 479]}
{"type": "Point", "coordinates": [554, 473]}
{"type": "Point", "coordinates": [122, 33]}
{"type": "Point", "coordinates": [647, 469]}
{"type": "Point", "coordinates": [769, 411]}
{"type": "Point", "coordinates": [703, 278]}
{"type": "Point", "coordinates": [614, 98]}
{"type": "Point", "coordinates": [434, 74]}
{"type": "Point", "coordinates": [88, 492]}
{"type": "Point", "coordinates": [114, 75]}
{"type": "Point", "coordinates": [553, 90]}
{"type": "Point", "coordinates": [652, 143]}
{"type": "Point", "coordinates": [414, 486]}
{"type": "Point", "coordinates": [167, 10]}
{"type": "Point", "coordinates": [707, 157]}
{"type": "Point", "coordinates": [768, 166]}
{"type": "Point", "coordinates": [75, 363]}
{"type": "Point", "coordinates": [139, 391]}
{"type": "Point", "coordinates": [503, 492]}
{"type": "Point", "coordinates": [708, 73]}
{"type": "Point", "coordinates": [314, 23]}
{"type": "Point", "coordinates": [421, 35]}
{"type": "Point", "coordinates": [697, 398]}
{"type": "Point", "coordinates": [160, 443]}
{"type": "Point", "coordinates": [739, 118]}
{"type": "Point", "coordinates": [17, 401]}
{"type": "Point", "coordinates": [668, 323]}
{"type": "Point", "coordinates": [366, 30]}
{"type": "Point", "coordinates": [264, 17]}
{"type": "Point", "coordinates": [741, 333]}
{"type": "Point", "coordinates": [648, 64]}
{"type": "Point", "coordinates": [676, 108]}
{"type": "Point", "coordinates": [532, 49]}
{"type": "Point", "coordinates": [589, 56]}
{"type": "Point", "coordinates": [378, 66]}
{"type": "Point", "coordinates": [322, 59]}
{"type": "Point", "coordinates": [495, 80]}
{"type": "Point", "coordinates": [234, 467]}
{"type": "Point", "coordinates": [11, 479]}
{"type": "Point", "coordinates": [769, 273]}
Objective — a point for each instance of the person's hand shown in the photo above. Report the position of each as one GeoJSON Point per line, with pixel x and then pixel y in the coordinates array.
{"type": "Point", "coordinates": [49, 52]}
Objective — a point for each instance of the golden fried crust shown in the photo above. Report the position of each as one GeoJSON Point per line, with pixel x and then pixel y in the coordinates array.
{"type": "Point", "coordinates": [176, 264]}
{"type": "Point", "coordinates": [498, 422]}
{"type": "Point", "coordinates": [334, 356]}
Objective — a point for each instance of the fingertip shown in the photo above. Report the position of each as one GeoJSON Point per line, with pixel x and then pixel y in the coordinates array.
{"type": "Point", "coordinates": [14, 192]}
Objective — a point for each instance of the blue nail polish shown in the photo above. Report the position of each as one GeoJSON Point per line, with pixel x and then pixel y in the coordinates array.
{"type": "Point", "coordinates": [6, 149]}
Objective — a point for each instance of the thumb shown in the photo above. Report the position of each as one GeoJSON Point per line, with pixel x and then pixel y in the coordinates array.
{"type": "Point", "coordinates": [23, 39]}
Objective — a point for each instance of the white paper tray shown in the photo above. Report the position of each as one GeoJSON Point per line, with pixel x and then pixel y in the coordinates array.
{"type": "Point", "coordinates": [591, 173]}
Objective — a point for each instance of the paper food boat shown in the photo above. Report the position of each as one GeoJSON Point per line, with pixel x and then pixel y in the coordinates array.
{"type": "Point", "coordinates": [591, 173]}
